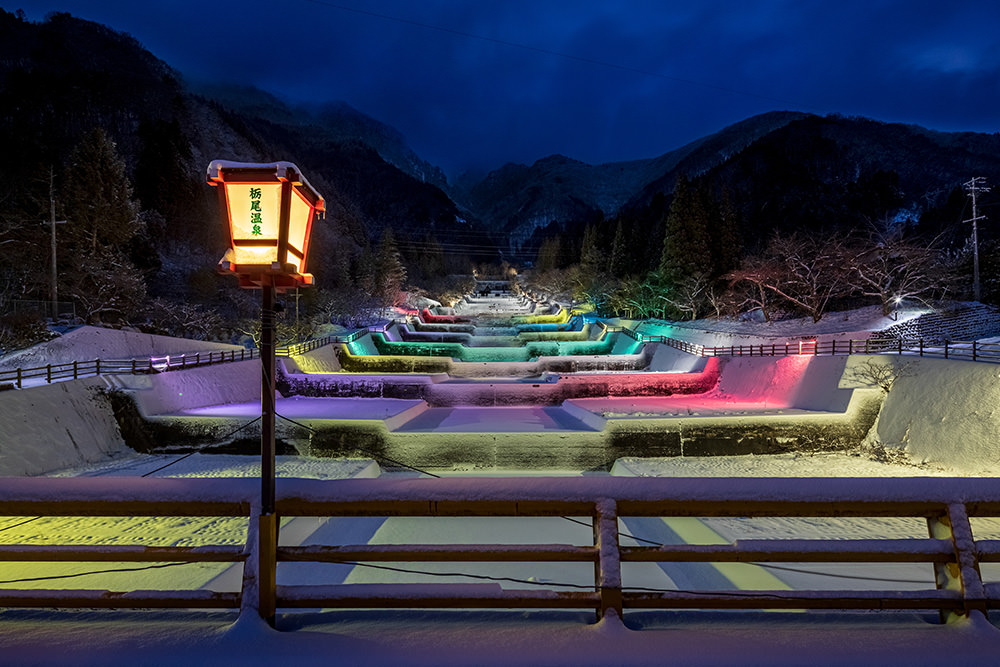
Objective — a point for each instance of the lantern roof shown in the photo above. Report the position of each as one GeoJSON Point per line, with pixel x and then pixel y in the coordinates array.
{"type": "Point", "coordinates": [280, 169]}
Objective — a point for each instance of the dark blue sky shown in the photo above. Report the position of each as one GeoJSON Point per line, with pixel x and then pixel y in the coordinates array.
{"type": "Point", "coordinates": [477, 84]}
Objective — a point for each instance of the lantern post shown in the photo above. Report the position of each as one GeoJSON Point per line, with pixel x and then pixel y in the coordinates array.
{"type": "Point", "coordinates": [269, 209]}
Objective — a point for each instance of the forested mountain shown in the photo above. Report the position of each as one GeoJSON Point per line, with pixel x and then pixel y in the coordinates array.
{"type": "Point", "coordinates": [88, 118]}
{"type": "Point", "coordinates": [65, 78]}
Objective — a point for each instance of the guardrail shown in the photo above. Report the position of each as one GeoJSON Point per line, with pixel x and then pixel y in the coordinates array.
{"type": "Point", "coordinates": [948, 506]}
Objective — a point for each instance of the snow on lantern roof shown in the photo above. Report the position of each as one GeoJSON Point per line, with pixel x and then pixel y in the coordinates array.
{"type": "Point", "coordinates": [280, 168]}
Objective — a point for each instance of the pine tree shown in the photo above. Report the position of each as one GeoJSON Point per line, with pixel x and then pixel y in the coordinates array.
{"type": "Point", "coordinates": [97, 197]}
{"type": "Point", "coordinates": [686, 246]}
{"type": "Point", "coordinates": [619, 264]}
{"type": "Point", "coordinates": [725, 237]}
{"type": "Point", "coordinates": [591, 256]}
{"type": "Point", "coordinates": [390, 274]}
{"type": "Point", "coordinates": [102, 220]}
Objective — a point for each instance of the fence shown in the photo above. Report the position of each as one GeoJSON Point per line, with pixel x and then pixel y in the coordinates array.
{"type": "Point", "coordinates": [77, 369]}
{"type": "Point", "coordinates": [158, 364]}
{"type": "Point", "coordinates": [963, 350]}
{"type": "Point", "coordinates": [949, 506]}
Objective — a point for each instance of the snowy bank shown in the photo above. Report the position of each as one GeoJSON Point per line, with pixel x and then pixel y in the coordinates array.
{"type": "Point", "coordinates": [57, 426]}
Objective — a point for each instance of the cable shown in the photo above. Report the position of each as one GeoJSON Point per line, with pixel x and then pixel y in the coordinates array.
{"type": "Point", "coordinates": [625, 534]}
{"type": "Point", "coordinates": [83, 574]}
{"type": "Point", "coordinates": [202, 449]}
{"type": "Point", "coordinates": [366, 451]}
{"type": "Point", "coordinates": [20, 524]}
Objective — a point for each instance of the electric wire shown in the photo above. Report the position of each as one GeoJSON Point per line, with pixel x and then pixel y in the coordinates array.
{"type": "Point", "coordinates": [642, 539]}
{"type": "Point", "coordinates": [116, 570]}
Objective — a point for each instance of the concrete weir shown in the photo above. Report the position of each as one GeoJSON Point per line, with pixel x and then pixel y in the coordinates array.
{"type": "Point", "coordinates": [396, 402]}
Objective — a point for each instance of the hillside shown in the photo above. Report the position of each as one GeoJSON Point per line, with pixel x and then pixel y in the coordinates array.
{"type": "Point", "coordinates": [61, 78]}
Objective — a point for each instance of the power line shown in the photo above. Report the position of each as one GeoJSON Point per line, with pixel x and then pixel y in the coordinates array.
{"type": "Point", "coordinates": [621, 533]}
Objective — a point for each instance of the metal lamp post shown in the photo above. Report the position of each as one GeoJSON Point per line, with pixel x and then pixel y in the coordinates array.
{"type": "Point", "coordinates": [269, 210]}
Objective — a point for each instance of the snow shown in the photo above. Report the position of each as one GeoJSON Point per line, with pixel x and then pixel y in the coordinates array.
{"type": "Point", "coordinates": [941, 413]}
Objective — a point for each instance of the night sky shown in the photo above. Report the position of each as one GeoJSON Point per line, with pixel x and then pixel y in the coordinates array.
{"type": "Point", "coordinates": [475, 84]}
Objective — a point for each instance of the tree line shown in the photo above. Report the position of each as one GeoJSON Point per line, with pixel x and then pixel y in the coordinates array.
{"type": "Point", "coordinates": [704, 267]}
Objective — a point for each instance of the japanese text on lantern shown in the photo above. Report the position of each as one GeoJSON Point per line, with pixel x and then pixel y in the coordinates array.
{"type": "Point", "coordinates": [255, 220]}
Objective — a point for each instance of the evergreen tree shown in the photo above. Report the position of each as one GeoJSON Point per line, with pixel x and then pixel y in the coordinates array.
{"type": "Point", "coordinates": [686, 243]}
{"type": "Point", "coordinates": [549, 254]}
{"type": "Point", "coordinates": [725, 237]}
{"type": "Point", "coordinates": [619, 264]}
{"type": "Point", "coordinates": [102, 224]}
{"type": "Point", "coordinates": [591, 256]}
{"type": "Point", "coordinates": [97, 197]}
{"type": "Point", "coordinates": [390, 274]}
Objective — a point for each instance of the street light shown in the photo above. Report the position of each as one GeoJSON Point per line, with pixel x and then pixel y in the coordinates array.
{"type": "Point", "coordinates": [269, 210]}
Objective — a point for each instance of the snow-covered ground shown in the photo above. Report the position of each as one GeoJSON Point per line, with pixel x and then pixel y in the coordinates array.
{"type": "Point", "coordinates": [455, 637]}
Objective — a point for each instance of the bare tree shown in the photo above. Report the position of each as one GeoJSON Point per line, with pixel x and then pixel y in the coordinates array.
{"type": "Point", "coordinates": [814, 271]}
{"type": "Point", "coordinates": [891, 268]}
{"type": "Point", "coordinates": [881, 374]}
{"type": "Point", "coordinates": [690, 295]}
{"type": "Point", "coordinates": [750, 285]}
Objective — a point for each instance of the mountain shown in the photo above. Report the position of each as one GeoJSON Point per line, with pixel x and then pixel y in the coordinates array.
{"type": "Point", "coordinates": [520, 199]}
{"type": "Point", "coordinates": [782, 171]}
{"type": "Point", "coordinates": [334, 121]}
{"type": "Point", "coordinates": [62, 77]}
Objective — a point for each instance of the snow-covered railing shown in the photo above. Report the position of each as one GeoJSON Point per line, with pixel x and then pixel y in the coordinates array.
{"type": "Point", "coordinates": [74, 370]}
{"type": "Point", "coordinates": [315, 343]}
{"type": "Point", "coordinates": [126, 496]}
{"type": "Point", "coordinates": [948, 506]}
{"type": "Point", "coordinates": [960, 350]}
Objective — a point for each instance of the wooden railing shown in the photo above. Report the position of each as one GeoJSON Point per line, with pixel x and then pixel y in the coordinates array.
{"type": "Point", "coordinates": [155, 364]}
{"type": "Point", "coordinates": [74, 370]}
{"type": "Point", "coordinates": [947, 505]}
{"type": "Point", "coordinates": [121, 497]}
{"type": "Point", "coordinates": [960, 350]}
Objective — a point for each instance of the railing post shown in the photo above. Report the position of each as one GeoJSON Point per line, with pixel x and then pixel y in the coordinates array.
{"type": "Point", "coordinates": [607, 569]}
{"type": "Point", "coordinates": [833, 347]}
{"type": "Point", "coordinates": [75, 375]}
{"type": "Point", "coordinates": [973, 350]}
{"type": "Point", "coordinates": [48, 373]}
{"type": "Point", "coordinates": [133, 366]}
{"type": "Point", "coordinates": [97, 366]}
{"type": "Point", "coordinates": [850, 346]}
{"type": "Point", "coordinates": [946, 348]}
{"type": "Point", "coordinates": [900, 347]}
{"type": "Point", "coordinates": [955, 527]}
{"type": "Point", "coordinates": [19, 378]}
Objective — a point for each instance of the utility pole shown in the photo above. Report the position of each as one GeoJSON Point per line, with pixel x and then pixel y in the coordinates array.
{"type": "Point", "coordinates": [54, 288]}
{"type": "Point", "coordinates": [974, 186]}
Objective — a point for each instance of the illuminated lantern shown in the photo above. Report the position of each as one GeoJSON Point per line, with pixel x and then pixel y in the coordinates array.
{"type": "Point", "coordinates": [269, 209]}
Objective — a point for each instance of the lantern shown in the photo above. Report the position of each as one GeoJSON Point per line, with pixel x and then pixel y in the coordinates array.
{"type": "Point", "coordinates": [269, 209]}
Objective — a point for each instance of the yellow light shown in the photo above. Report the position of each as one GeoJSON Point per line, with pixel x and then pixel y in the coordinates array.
{"type": "Point", "coordinates": [269, 210]}
{"type": "Point", "coordinates": [254, 212]}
